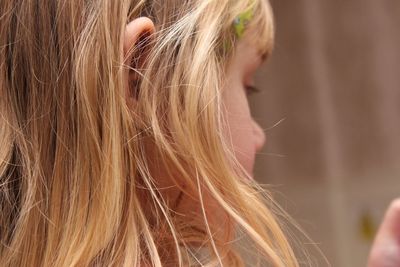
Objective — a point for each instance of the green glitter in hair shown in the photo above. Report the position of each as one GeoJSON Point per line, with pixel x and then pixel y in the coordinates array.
{"type": "Point", "coordinates": [241, 21]}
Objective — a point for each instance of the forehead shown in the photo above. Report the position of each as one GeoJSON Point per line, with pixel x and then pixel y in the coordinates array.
{"type": "Point", "coordinates": [246, 59]}
{"type": "Point", "coordinates": [263, 44]}
{"type": "Point", "coordinates": [249, 50]}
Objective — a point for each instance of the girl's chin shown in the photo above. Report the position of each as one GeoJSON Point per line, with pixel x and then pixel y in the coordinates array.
{"type": "Point", "coordinates": [250, 177]}
{"type": "Point", "coordinates": [249, 168]}
{"type": "Point", "coordinates": [249, 174]}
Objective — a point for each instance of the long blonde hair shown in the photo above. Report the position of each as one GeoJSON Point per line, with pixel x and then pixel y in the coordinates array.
{"type": "Point", "coordinates": [76, 185]}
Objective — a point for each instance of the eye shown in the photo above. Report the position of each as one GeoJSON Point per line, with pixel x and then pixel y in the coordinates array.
{"type": "Point", "coordinates": [250, 90]}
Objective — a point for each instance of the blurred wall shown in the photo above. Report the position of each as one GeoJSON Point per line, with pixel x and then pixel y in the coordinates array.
{"type": "Point", "coordinates": [334, 80]}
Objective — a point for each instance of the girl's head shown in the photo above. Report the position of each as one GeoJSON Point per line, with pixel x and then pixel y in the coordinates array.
{"type": "Point", "coordinates": [126, 138]}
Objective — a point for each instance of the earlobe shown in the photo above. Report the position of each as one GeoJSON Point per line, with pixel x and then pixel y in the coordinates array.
{"type": "Point", "coordinates": [136, 39]}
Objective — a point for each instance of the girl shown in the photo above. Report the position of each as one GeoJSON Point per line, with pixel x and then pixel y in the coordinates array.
{"type": "Point", "coordinates": [126, 137]}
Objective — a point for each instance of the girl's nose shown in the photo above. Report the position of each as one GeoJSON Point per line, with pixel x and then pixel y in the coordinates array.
{"type": "Point", "coordinates": [259, 136]}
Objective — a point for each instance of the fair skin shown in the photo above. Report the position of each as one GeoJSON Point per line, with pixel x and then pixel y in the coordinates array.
{"type": "Point", "coordinates": [245, 134]}
{"type": "Point", "coordinates": [247, 137]}
{"type": "Point", "coordinates": [385, 251]}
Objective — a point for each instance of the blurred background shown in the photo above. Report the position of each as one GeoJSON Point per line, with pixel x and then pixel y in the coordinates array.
{"type": "Point", "coordinates": [330, 104]}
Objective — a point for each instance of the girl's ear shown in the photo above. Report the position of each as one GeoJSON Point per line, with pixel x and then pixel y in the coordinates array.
{"type": "Point", "coordinates": [136, 45]}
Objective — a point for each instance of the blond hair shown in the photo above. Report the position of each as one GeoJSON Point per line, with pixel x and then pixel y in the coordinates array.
{"type": "Point", "coordinates": [76, 185]}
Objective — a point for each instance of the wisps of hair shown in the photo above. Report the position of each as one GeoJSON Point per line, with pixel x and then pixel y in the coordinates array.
{"type": "Point", "coordinates": [76, 180]}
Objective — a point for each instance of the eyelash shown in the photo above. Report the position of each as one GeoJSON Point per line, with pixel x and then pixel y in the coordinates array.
{"type": "Point", "coordinates": [252, 90]}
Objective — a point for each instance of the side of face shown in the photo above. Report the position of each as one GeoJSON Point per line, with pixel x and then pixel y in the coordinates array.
{"type": "Point", "coordinates": [244, 134]}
